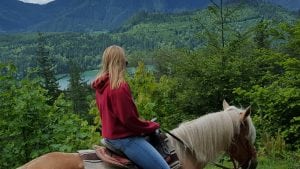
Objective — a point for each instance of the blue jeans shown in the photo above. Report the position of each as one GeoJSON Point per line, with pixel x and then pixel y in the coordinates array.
{"type": "Point", "coordinates": [142, 153]}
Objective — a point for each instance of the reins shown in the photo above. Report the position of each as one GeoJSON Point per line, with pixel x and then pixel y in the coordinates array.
{"type": "Point", "coordinates": [219, 165]}
{"type": "Point", "coordinates": [186, 147]}
{"type": "Point", "coordinates": [178, 139]}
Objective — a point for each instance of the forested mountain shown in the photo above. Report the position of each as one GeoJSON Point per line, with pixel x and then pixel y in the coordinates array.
{"type": "Point", "coordinates": [15, 15]}
{"type": "Point", "coordinates": [94, 15]}
{"type": "Point", "coordinates": [79, 15]}
{"type": "Point", "coordinates": [289, 4]}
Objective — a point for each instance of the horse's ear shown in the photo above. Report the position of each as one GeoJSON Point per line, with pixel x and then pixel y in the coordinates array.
{"type": "Point", "coordinates": [246, 113]}
{"type": "Point", "coordinates": [225, 104]}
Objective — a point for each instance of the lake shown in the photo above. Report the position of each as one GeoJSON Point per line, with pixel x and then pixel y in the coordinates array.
{"type": "Point", "coordinates": [88, 76]}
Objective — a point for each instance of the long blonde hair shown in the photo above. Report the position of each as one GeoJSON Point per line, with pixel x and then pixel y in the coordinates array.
{"type": "Point", "coordinates": [113, 64]}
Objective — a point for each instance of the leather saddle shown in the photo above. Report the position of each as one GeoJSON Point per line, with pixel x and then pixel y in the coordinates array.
{"type": "Point", "coordinates": [109, 154]}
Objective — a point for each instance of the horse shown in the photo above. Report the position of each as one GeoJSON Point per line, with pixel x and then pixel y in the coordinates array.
{"type": "Point", "coordinates": [202, 140]}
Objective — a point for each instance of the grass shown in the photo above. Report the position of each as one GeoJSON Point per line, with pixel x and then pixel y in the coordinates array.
{"type": "Point", "coordinates": [269, 163]}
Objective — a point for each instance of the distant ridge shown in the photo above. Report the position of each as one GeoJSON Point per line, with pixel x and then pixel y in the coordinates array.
{"type": "Point", "coordinates": [93, 15]}
{"type": "Point", "coordinates": [293, 5]}
{"type": "Point", "coordinates": [81, 15]}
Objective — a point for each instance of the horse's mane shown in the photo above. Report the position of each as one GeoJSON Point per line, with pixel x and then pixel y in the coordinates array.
{"type": "Point", "coordinates": [211, 133]}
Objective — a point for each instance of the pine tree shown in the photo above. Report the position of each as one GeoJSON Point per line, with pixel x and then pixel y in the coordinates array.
{"type": "Point", "coordinates": [77, 90]}
{"type": "Point", "coordinates": [262, 34]}
{"type": "Point", "coordinates": [46, 70]}
{"type": "Point", "coordinates": [218, 11]}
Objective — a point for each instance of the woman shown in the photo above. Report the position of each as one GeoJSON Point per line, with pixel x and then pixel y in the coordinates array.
{"type": "Point", "coordinates": [121, 126]}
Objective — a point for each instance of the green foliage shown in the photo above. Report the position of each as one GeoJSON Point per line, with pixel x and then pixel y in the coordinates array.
{"type": "Point", "coordinates": [22, 118]}
{"type": "Point", "coordinates": [206, 77]}
{"type": "Point", "coordinates": [144, 86]}
{"type": "Point", "coordinates": [70, 132]}
{"type": "Point", "coordinates": [264, 162]}
{"type": "Point", "coordinates": [94, 112]}
{"type": "Point", "coordinates": [154, 97]}
{"type": "Point", "coordinates": [275, 95]}
{"type": "Point", "coordinates": [30, 127]}
{"type": "Point", "coordinates": [273, 146]}
{"type": "Point", "coordinates": [293, 44]}
{"type": "Point", "coordinates": [262, 34]}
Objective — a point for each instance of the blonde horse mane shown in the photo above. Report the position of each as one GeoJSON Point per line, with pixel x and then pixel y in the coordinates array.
{"type": "Point", "coordinates": [210, 134]}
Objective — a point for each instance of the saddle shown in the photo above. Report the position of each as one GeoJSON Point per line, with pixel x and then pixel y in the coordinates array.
{"type": "Point", "coordinates": [160, 141]}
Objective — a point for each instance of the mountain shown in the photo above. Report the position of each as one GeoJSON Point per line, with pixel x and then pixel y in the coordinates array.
{"type": "Point", "coordinates": [94, 15]}
{"type": "Point", "coordinates": [81, 15]}
{"type": "Point", "coordinates": [293, 5]}
{"type": "Point", "coordinates": [15, 15]}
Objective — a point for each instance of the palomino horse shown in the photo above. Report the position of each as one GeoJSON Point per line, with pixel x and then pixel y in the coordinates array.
{"type": "Point", "coordinates": [230, 131]}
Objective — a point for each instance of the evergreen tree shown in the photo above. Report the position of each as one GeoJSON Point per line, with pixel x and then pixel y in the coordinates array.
{"type": "Point", "coordinates": [218, 11]}
{"type": "Point", "coordinates": [46, 70]}
{"type": "Point", "coordinates": [262, 34]}
{"type": "Point", "coordinates": [77, 90]}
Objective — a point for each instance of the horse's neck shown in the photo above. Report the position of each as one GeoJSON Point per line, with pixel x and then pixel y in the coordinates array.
{"type": "Point", "coordinates": [206, 138]}
{"type": "Point", "coordinates": [186, 158]}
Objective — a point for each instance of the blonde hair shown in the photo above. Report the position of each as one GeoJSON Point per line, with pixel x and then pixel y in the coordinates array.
{"type": "Point", "coordinates": [113, 64]}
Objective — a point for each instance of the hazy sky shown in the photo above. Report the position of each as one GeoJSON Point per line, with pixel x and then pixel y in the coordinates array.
{"type": "Point", "coordinates": [37, 1]}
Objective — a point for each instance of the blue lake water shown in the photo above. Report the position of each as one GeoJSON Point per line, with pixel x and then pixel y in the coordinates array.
{"type": "Point", "coordinates": [88, 77]}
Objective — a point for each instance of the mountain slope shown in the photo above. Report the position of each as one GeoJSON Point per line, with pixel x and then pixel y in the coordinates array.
{"type": "Point", "coordinates": [95, 15]}
{"type": "Point", "coordinates": [79, 15]}
{"type": "Point", "coordinates": [16, 15]}
{"type": "Point", "coordinates": [289, 4]}
{"type": "Point", "coordinates": [185, 30]}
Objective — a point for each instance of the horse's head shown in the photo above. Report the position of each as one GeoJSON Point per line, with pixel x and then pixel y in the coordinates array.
{"type": "Point", "coordinates": [242, 149]}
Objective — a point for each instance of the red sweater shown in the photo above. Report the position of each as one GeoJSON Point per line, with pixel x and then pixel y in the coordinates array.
{"type": "Point", "coordinates": [119, 115]}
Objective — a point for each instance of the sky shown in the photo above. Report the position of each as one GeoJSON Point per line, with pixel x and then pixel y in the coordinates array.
{"type": "Point", "coordinates": [37, 1]}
